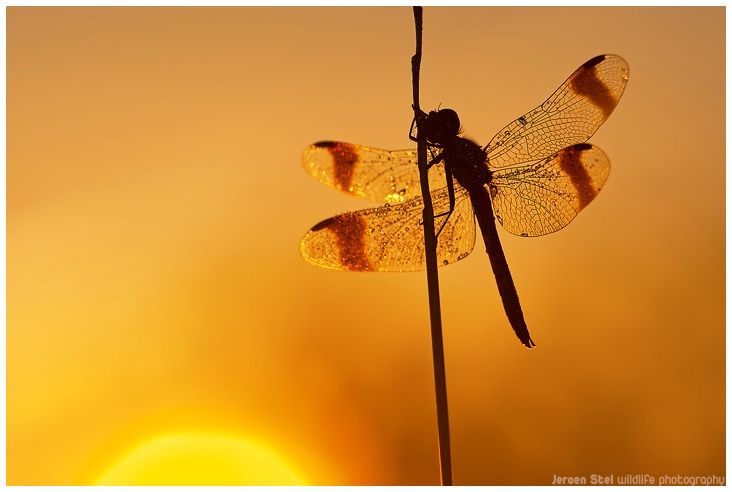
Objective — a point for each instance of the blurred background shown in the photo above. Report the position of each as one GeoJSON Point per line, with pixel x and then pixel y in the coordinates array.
{"type": "Point", "coordinates": [162, 327]}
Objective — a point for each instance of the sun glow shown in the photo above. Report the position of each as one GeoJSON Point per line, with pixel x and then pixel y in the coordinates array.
{"type": "Point", "coordinates": [190, 459]}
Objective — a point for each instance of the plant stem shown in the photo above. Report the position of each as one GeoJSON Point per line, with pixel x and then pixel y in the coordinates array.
{"type": "Point", "coordinates": [433, 286]}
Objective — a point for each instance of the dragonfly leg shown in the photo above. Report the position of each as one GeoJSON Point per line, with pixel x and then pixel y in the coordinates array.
{"type": "Point", "coordinates": [451, 196]}
{"type": "Point", "coordinates": [413, 130]}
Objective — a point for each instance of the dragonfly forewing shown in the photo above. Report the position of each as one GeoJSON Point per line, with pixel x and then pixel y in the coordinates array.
{"type": "Point", "coordinates": [570, 116]}
{"type": "Point", "coordinates": [373, 174]}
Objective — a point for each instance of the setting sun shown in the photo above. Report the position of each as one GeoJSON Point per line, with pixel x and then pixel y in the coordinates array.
{"type": "Point", "coordinates": [187, 459]}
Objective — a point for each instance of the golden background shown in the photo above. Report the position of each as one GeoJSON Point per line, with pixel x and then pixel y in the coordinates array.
{"type": "Point", "coordinates": [155, 202]}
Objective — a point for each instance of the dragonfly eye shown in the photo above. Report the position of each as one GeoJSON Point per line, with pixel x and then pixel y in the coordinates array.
{"type": "Point", "coordinates": [442, 125]}
{"type": "Point", "coordinates": [450, 121]}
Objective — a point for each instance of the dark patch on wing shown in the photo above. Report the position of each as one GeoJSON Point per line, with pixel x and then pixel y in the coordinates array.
{"type": "Point", "coordinates": [588, 83]}
{"type": "Point", "coordinates": [349, 230]}
{"type": "Point", "coordinates": [345, 159]}
{"type": "Point", "coordinates": [570, 161]}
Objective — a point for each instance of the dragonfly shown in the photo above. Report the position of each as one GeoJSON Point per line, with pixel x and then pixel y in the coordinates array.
{"type": "Point", "coordinates": [533, 177]}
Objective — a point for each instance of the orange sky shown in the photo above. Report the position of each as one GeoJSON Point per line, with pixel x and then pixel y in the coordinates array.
{"type": "Point", "coordinates": [155, 202]}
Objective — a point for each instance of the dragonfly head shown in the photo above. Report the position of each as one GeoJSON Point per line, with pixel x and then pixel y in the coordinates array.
{"type": "Point", "coordinates": [442, 125]}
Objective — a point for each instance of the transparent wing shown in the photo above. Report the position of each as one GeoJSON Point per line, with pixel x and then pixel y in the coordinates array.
{"type": "Point", "coordinates": [391, 238]}
{"type": "Point", "coordinates": [377, 175]}
{"type": "Point", "coordinates": [570, 116]}
{"type": "Point", "coordinates": [545, 196]}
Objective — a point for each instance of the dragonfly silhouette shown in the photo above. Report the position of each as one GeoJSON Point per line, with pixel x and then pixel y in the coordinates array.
{"type": "Point", "coordinates": [534, 176]}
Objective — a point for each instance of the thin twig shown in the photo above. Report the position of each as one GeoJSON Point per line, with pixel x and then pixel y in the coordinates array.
{"type": "Point", "coordinates": [433, 286]}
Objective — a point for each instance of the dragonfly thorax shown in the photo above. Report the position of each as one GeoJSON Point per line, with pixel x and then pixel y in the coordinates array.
{"type": "Point", "coordinates": [467, 161]}
{"type": "Point", "coordinates": [465, 158]}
